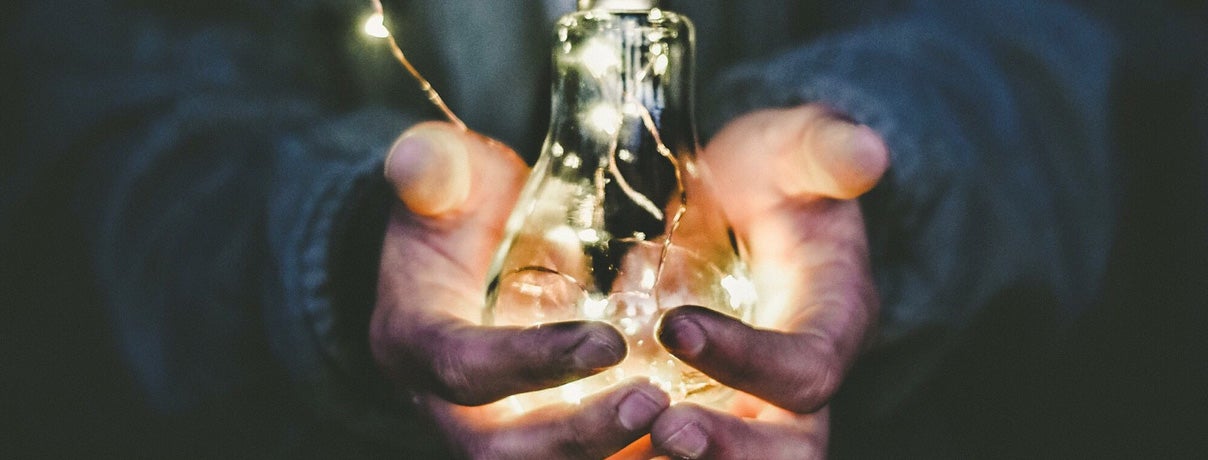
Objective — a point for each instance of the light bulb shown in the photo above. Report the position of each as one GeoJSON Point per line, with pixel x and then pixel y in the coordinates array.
{"type": "Point", "coordinates": [611, 225]}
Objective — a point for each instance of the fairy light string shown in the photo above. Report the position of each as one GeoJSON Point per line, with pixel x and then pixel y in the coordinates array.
{"type": "Point", "coordinates": [656, 64]}
{"type": "Point", "coordinates": [379, 15]}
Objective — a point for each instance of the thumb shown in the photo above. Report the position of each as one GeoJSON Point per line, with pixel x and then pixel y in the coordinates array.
{"type": "Point", "coordinates": [803, 152]}
{"type": "Point", "coordinates": [429, 168]}
{"type": "Point", "coordinates": [838, 158]}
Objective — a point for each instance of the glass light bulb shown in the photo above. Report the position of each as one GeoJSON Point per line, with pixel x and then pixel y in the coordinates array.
{"type": "Point", "coordinates": [610, 225]}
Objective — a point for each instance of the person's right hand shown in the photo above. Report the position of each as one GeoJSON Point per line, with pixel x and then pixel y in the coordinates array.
{"type": "Point", "coordinates": [456, 189]}
{"type": "Point", "coordinates": [787, 179]}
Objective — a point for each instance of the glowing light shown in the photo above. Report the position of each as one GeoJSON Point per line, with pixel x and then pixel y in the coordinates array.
{"type": "Point", "coordinates": [572, 161]}
{"type": "Point", "coordinates": [630, 326]}
{"type": "Point", "coordinates": [515, 405]}
{"type": "Point", "coordinates": [660, 61]}
{"type": "Point", "coordinates": [648, 276]}
{"type": "Point", "coordinates": [572, 393]}
{"type": "Point", "coordinates": [375, 26]}
{"type": "Point", "coordinates": [595, 308]}
{"type": "Point", "coordinates": [584, 213]}
{"type": "Point", "coordinates": [626, 156]}
{"type": "Point", "coordinates": [741, 290]}
{"type": "Point", "coordinates": [557, 150]}
{"type": "Point", "coordinates": [562, 236]}
{"type": "Point", "coordinates": [660, 64]}
{"type": "Point", "coordinates": [531, 290]}
{"type": "Point", "coordinates": [599, 58]}
{"type": "Point", "coordinates": [605, 118]}
{"type": "Point", "coordinates": [618, 373]}
{"type": "Point", "coordinates": [589, 235]}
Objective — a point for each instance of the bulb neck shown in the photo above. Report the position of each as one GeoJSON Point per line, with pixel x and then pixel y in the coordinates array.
{"type": "Point", "coordinates": [620, 77]}
{"type": "Point", "coordinates": [619, 5]}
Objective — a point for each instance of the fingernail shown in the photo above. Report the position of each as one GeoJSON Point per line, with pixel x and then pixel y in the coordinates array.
{"type": "Point", "coordinates": [412, 152]}
{"type": "Point", "coordinates": [639, 409]}
{"type": "Point", "coordinates": [683, 336]}
{"type": "Point", "coordinates": [688, 442]}
{"type": "Point", "coordinates": [596, 352]}
{"type": "Point", "coordinates": [429, 169]}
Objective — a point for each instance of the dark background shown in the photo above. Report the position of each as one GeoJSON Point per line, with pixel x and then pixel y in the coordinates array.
{"type": "Point", "coordinates": [1128, 379]}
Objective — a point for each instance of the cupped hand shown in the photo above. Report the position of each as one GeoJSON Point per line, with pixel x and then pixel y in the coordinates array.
{"type": "Point", "coordinates": [787, 180]}
{"type": "Point", "coordinates": [456, 189]}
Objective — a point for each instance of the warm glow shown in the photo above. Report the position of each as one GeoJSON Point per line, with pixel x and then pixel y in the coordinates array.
{"type": "Point", "coordinates": [660, 64]}
{"type": "Point", "coordinates": [626, 156]}
{"type": "Point", "coordinates": [741, 290]}
{"type": "Point", "coordinates": [594, 308]}
{"type": "Point", "coordinates": [605, 118]}
{"type": "Point", "coordinates": [375, 26]}
{"type": "Point", "coordinates": [562, 236]}
{"type": "Point", "coordinates": [572, 393]}
{"type": "Point", "coordinates": [599, 58]}
{"type": "Point", "coordinates": [648, 276]}
{"type": "Point", "coordinates": [589, 236]}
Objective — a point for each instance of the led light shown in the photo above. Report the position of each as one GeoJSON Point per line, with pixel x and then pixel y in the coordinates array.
{"type": "Point", "coordinates": [660, 64]}
{"type": "Point", "coordinates": [741, 290]}
{"type": "Point", "coordinates": [589, 236]}
{"type": "Point", "coordinates": [562, 236]}
{"type": "Point", "coordinates": [648, 276]}
{"type": "Point", "coordinates": [375, 26]}
{"type": "Point", "coordinates": [605, 118]}
{"type": "Point", "coordinates": [594, 308]}
{"type": "Point", "coordinates": [599, 58]}
{"type": "Point", "coordinates": [572, 161]}
{"type": "Point", "coordinates": [630, 326]}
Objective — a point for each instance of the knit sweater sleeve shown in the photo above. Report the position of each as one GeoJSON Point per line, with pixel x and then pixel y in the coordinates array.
{"type": "Point", "coordinates": [995, 115]}
{"type": "Point", "coordinates": [231, 216]}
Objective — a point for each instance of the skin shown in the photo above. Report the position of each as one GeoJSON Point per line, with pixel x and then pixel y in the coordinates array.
{"type": "Point", "coordinates": [785, 178]}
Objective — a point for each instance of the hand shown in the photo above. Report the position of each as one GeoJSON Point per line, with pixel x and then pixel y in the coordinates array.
{"type": "Point", "coordinates": [456, 190]}
{"type": "Point", "coordinates": [787, 180]}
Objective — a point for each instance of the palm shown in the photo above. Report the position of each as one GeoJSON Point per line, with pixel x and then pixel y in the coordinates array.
{"type": "Point", "coordinates": [785, 178]}
{"type": "Point", "coordinates": [424, 332]}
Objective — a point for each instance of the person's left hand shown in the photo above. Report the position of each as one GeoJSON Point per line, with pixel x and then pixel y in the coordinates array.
{"type": "Point", "coordinates": [455, 190]}
{"type": "Point", "coordinates": [787, 180]}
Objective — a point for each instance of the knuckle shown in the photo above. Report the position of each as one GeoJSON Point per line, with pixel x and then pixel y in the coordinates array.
{"type": "Point", "coordinates": [818, 380]}
{"type": "Point", "coordinates": [489, 447]}
{"type": "Point", "coordinates": [387, 346]}
{"type": "Point", "coordinates": [580, 441]}
{"type": "Point", "coordinates": [453, 380]}
{"type": "Point", "coordinates": [577, 448]}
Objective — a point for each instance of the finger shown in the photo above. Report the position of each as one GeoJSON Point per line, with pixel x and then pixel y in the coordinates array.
{"type": "Point", "coordinates": [473, 365]}
{"type": "Point", "coordinates": [597, 427]}
{"type": "Point", "coordinates": [694, 432]}
{"type": "Point", "coordinates": [795, 371]}
{"type": "Point", "coordinates": [440, 243]}
{"type": "Point", "coordinates": [809, 260]}
{"type": "Point", "coordinates": [840, 159]}
{"type": "Point", "coordinates": [773, 156]}
{"type": "Point", "coordinates": [431, 166]}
